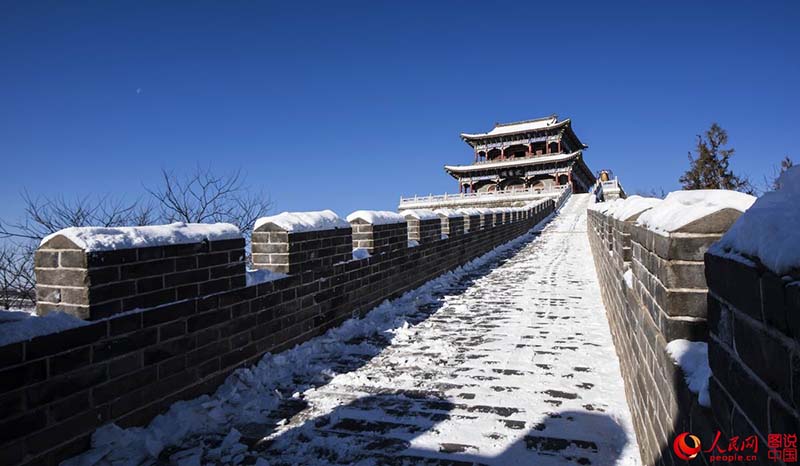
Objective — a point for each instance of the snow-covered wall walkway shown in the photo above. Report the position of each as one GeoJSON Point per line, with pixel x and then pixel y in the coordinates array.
{"type": "Point", "coordinates": [507, 360]}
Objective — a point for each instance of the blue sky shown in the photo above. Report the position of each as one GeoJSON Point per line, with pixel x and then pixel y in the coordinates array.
{"type": "Point", "coordinates": [348, 105]}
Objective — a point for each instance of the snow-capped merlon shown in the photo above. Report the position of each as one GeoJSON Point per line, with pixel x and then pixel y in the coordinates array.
{"type": "Point", "coordinates": [112, 238]}
{"type": "Point", "coordinates": [471, 211]}
{"type": "Point", "coordinates": [692, 357]}
{"type": "Point", "coordinates": [449, 213]}
{"type": "Point", "coordinates": [420, 214]}
{"type": "Point", "coordinates": [633, 206]}
{"type": "Point", "coordinates": [297, 222]}
{"type": "Point", "coordinates": [605, 207]}
{"type": "Point", "coordinates": [376, 217]}
{"type": "Point", "coordinates": [698, 211]}
{"type": "Point", "coordinates": [770, 229]}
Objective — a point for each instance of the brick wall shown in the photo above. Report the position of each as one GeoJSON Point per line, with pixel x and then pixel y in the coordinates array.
{"type": "Point", "coordinates": [662, 299]}
{"type": "Point", "coordinates": [97, 284]}
{"type": "Point", "coordinates": [283, 251]}
{"type": "Point", "coordinates": [424, 230]}
{"type": "Point", "coordinates": [452, 224]}
{"type": "Point", "coordinates": [56, 389]}
{"type": "Point", "coordinates": [380, 238]}
{"type": "Point", "coordinates": [754, 323]}
{"type": "Point", "coordinates": [472, 222]}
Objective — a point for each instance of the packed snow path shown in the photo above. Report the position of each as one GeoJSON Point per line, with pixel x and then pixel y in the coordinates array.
{"type": "Point", "coordinates": [508, 362]}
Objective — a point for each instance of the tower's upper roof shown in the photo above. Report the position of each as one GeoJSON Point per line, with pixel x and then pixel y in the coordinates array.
{"type": "Point", "coordinates": [518, 130]}
{"type": "Point", "coordinates": [501, 129]}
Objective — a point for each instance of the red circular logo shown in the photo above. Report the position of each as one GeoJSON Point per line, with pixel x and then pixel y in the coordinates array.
{"type": "Point", "coordinates": [686, 446]}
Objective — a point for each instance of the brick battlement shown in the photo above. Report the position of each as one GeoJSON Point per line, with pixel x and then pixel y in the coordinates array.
{"type": "Point", "coordinates": [202, 323]}
{"type": "Point", "coordinates": [661, 286]}
{"type": "Point", "coordinates": [98, 284]}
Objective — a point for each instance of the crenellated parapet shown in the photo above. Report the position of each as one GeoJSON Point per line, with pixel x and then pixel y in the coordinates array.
{"type": "Point", "coordinates": [649, 256]}
{"type": "Point", "coordinates": [452, 222]}
{"type": "Point", "coordinates": [95, 273]}
{"type": "Point", "coordinates": [424, 226]}
{"type": "Point", "coordinates": [293, 242]}
{"type": "Point", "coordinates": [377, 232]}
{"type": "Point", "coordinates": [168, 312]}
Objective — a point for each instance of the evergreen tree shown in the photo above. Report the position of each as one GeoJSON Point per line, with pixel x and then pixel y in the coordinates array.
{"type": "Point", "coordinates": [710, 168]}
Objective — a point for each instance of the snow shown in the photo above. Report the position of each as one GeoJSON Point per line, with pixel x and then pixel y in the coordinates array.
{"type": "Point", "coordinates": [513, 162]}
{"type": "Point", "coordinates": [606, 207]}
{"type": "Point", "coordinates": [628, 277]}
{"type": "Point", "coordinates": [296, 222]}
{"type": "Point", "coordinates": [420, 214]}
{"type": "Point", "coordinates": [449, 213]}
{"type": "Point", "coordinates": [376, 217]}
{"type": "Point", "coordinates": [508, 128]}
{"type": "Point", "coordinates": [632, 206]}
{"type": "Point", "coordinates": [256, 276]}
{"type": "Point", "coordinates": [249, 394]}
{"type": "Point", "coordinates": [470, 211]}
{"type": "Point", "coordinates": [22, 324]}
{"type": "Point", "coordinates": [111, 238]}
{"type": "Point", "coordinates": [770, 229]}
{"type": "Point", "coordinates": [680, 208]}
{"type": "Point", "coordinates": [692, 357]}
{"type": "Point", "coordinates": [360, 253]}
{"type": "Point", "coordinates": [475, 311]}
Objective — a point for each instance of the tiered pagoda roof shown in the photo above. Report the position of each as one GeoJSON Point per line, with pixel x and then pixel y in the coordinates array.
{"type": "Point", "coordinates": [528, 129]}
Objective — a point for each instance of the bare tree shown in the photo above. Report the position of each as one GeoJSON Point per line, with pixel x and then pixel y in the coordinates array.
{"type": "Point", "coordinates": [652, 192]}
{"type": "Point", "coordinates": [198, 197]}
{"type": "Point", "coordinates": [774, 184]}
{"type": "Point", "coordinates": [44, 215]}
{"type": "Point", "coordinates": [203, 196]}
{"type": "Point", "coordinates": [17, 280]}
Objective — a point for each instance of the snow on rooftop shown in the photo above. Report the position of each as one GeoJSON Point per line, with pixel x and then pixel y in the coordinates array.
{"type": "Point", "coordinates": [681, 208]}
{"type": "Point", "coordinates": [296, 222]}
{"type": "Point", "coordinates": [508, 128]}
{"type": "Point", "coordinates": [539, 159]}
{"type": "Point", "coordinates": [420, 214]}
{"type": "Point", "coordinates": [376, 217]}
{"type": "Point", "coordinates": [633, 206]}
{"type": "Point", "coordinates": [692, 357]}
{"type": "Point", "coordinates": [770, 229]}
{"type": "Point", "coordinates": [111, 238]}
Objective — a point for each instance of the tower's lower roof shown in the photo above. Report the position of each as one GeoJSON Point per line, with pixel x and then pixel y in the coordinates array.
{"type": "Point", "coordinates": [512, 163]}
